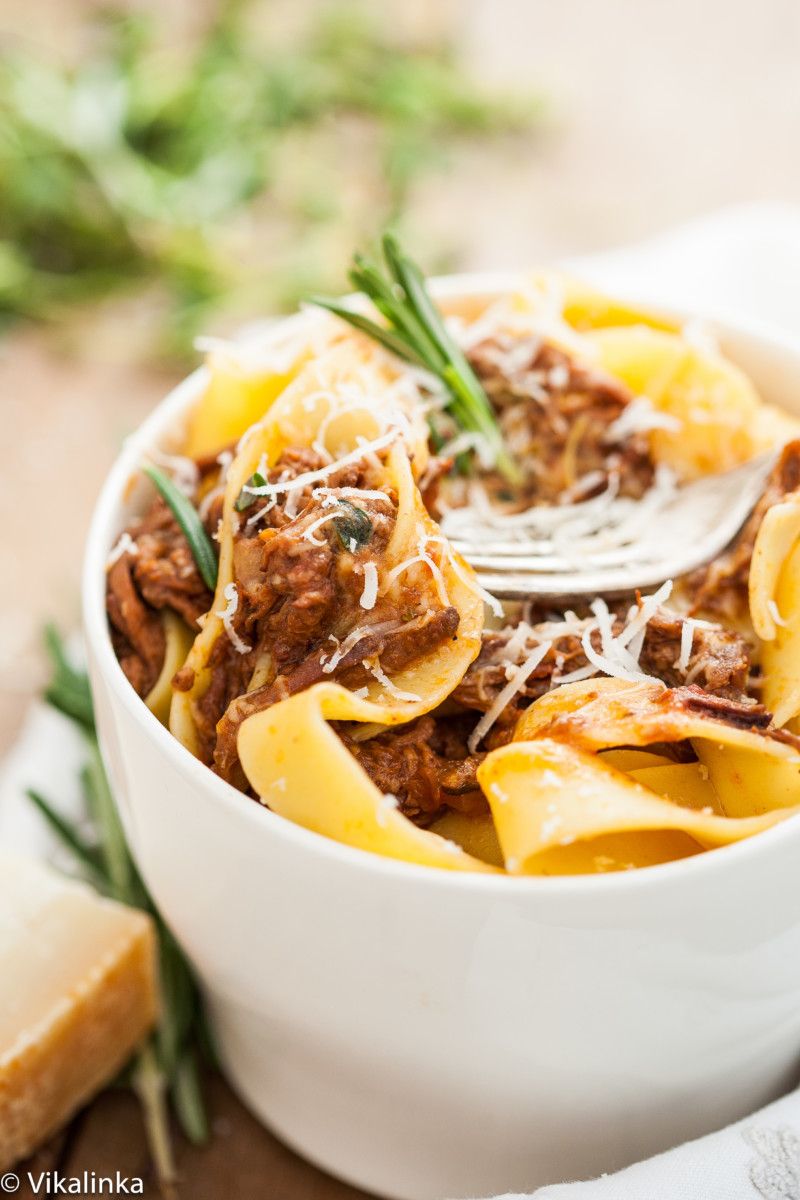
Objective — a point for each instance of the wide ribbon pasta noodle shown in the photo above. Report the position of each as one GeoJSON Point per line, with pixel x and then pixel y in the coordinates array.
{"type": "Point", "coordinates": [774, 590]}
{"type": "Point", "coordinates": [301, 769]}
{"type": "Point", "coordinates": [720, 421]}
{"type": "Point", "coordinates": [178, 638]}
{"type": "Point", "coordinates": [744, 780]}
{"type": "Point", "coordinates": [561, 810]}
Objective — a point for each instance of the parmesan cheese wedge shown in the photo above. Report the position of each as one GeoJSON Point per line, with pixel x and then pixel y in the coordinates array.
{"type": "Point", "coordinates": [77, 994]}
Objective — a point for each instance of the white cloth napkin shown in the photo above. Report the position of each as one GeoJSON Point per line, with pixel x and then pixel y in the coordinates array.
{"type": "Point", "coordinates": [755, 1159]}
{"type": "Point", "coordinates": [742, 264]}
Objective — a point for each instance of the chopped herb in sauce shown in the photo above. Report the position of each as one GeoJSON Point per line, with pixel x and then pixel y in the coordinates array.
{"type": "Point", "coordinates": [245, 499]}
{"type": "Point", "coordinates": [353, 527]}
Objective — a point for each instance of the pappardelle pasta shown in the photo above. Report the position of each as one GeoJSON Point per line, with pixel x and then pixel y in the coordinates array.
{"type": "Point", "coordinates": [348, 672]}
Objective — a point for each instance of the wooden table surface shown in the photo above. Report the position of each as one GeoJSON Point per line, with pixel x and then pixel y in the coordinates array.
{"type": "Point", "coordinates": [243, 1161]}
{"type": "Point", "coordinates": [628, 152]}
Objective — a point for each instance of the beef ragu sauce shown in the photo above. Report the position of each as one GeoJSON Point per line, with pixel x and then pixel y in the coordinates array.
{"type": "Point", "coordinates": [298, 593]}
{"type": "Point", "coordinates": [152, 569]}
{"type": "Point", "coordinates": [561, 419]}
{"type": "Point", "coordinates": [426, 765]}
{"type": "Point", "coordinates": [429, 765]}
{"type": "Point", "coordinates": [299, 566]}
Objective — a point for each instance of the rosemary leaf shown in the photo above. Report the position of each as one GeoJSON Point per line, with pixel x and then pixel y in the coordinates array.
{"type": "Point", "coordinates": [100, 803]}
{"type": "Point", "coordinates": [187, 517]}
{"type": "Point", "coordinates": [68, 690]}
{"type": "Point", "coordinates": [187, 1097]}
{"type": "Point", "coordinates": [367, 279]}
{"type": "Point", "coordinates": [385, 336]}
{"type": "Point", "coordinates": [150, 1085]}
{"type": "Point", "coordinates": [70, 836]}
{"type": "Point", "coordinates": [180, 1000]}
{"type": "Point", "coordinates": [166, 1066]}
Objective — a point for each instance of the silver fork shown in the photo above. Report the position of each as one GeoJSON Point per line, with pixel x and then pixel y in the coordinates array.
{"type": "Point", "coordinates": [609, 545]}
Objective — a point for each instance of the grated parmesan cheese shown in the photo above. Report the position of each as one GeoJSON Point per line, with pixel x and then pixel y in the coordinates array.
{"type": "Point", "coordinates": [466, 441]}
{"type": "Point", "coordinates": [226, 614]}
{"type": "Point", "coordinates": [515, 683]}
{"type": "Point", "coordinates": [374, 668]}
{"type": "Point", "coordinates": [308, 533]}
{"type": "Point", "coordinates": [124, 545]}
{"type": "Point", "coordinates": [638, 618]}
{"type": "Point", "coordinates": [420, 557]}
{"type": "Point", "coordinates": [333, 495]}
{"type": "Point", "coordinates": [613, 659]}
{"type": "Point", "coordinates": [687, 641]}
{"type": "Point", "coordinates": [262, 512]}
{"type": "Point", "coordinates": [355, 636]}
{"type": "Point", "coordinates": [469, 580]}
{"type": "Point", "coordinates": [640, 416]}
{"type": "Point", "coordinates": [184, 471]}
{"type": "Point", "coordinates": [370, 592]}
{"type": "Point", "coordinates": [386, 804]}
{"type": "Point", "coordinates": [364, 449]}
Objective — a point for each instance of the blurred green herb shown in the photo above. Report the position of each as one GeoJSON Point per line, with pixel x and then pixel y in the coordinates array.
{"type": "Point", "coordinates": [166, 1068]}
{"type": "Point", "coordinates": [141, 164]}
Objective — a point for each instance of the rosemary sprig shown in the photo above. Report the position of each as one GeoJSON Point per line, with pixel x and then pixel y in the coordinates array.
{"type": "Point", "coordinates": [187, 517]}
{"type": "Point", "coordinates": [166, 1066]}
{"type": "Point", "coordinates": [416, 332]}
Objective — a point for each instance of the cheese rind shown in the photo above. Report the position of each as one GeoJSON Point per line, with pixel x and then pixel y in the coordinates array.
{"type": "Point", "coordinates": [77, 995]}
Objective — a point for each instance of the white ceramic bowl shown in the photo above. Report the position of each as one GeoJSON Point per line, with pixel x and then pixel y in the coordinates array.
{"type": "Point", "coordinates": [425, 1034]}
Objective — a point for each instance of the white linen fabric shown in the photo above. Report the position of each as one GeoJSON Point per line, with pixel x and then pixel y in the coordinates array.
{"type": "Point", "coordinates": [742, 264]}
{"type": "Point", "coordinates": [755, 1159]}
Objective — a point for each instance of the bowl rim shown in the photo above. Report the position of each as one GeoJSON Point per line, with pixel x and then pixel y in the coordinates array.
{"type": "Point", "coordinates": [104, 530]}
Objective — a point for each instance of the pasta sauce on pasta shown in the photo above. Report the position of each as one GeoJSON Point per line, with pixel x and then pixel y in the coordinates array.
{"type": "Point", "coordinates": [349, 673]}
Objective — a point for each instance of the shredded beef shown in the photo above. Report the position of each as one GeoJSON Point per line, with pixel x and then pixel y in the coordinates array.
{"type": "Point", "coordinates": [425, 765]}
{"type": "Point", "coordinates": [720, 587]}
{"type": "Point", "coordinates": [395, 647]}
{"type": "Point", "coordinates": [164, 568]}
{"type": "Point", "coordinates": [556, 415]}
{"type": "Point", "coordinates": [428, 777]}
{"type": "Point", "coordinates": [299, 586]}
{"type": "Point", "coordinates": [229, 674]}
{"type": "Point", "coordinates": [159, 573]}
{"type": "Point", "coordinates": [742, 713]}
{"type": "Point", "coordinates": [719, 662]}
{"type": "Point", "coordinates": [136, 630]}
